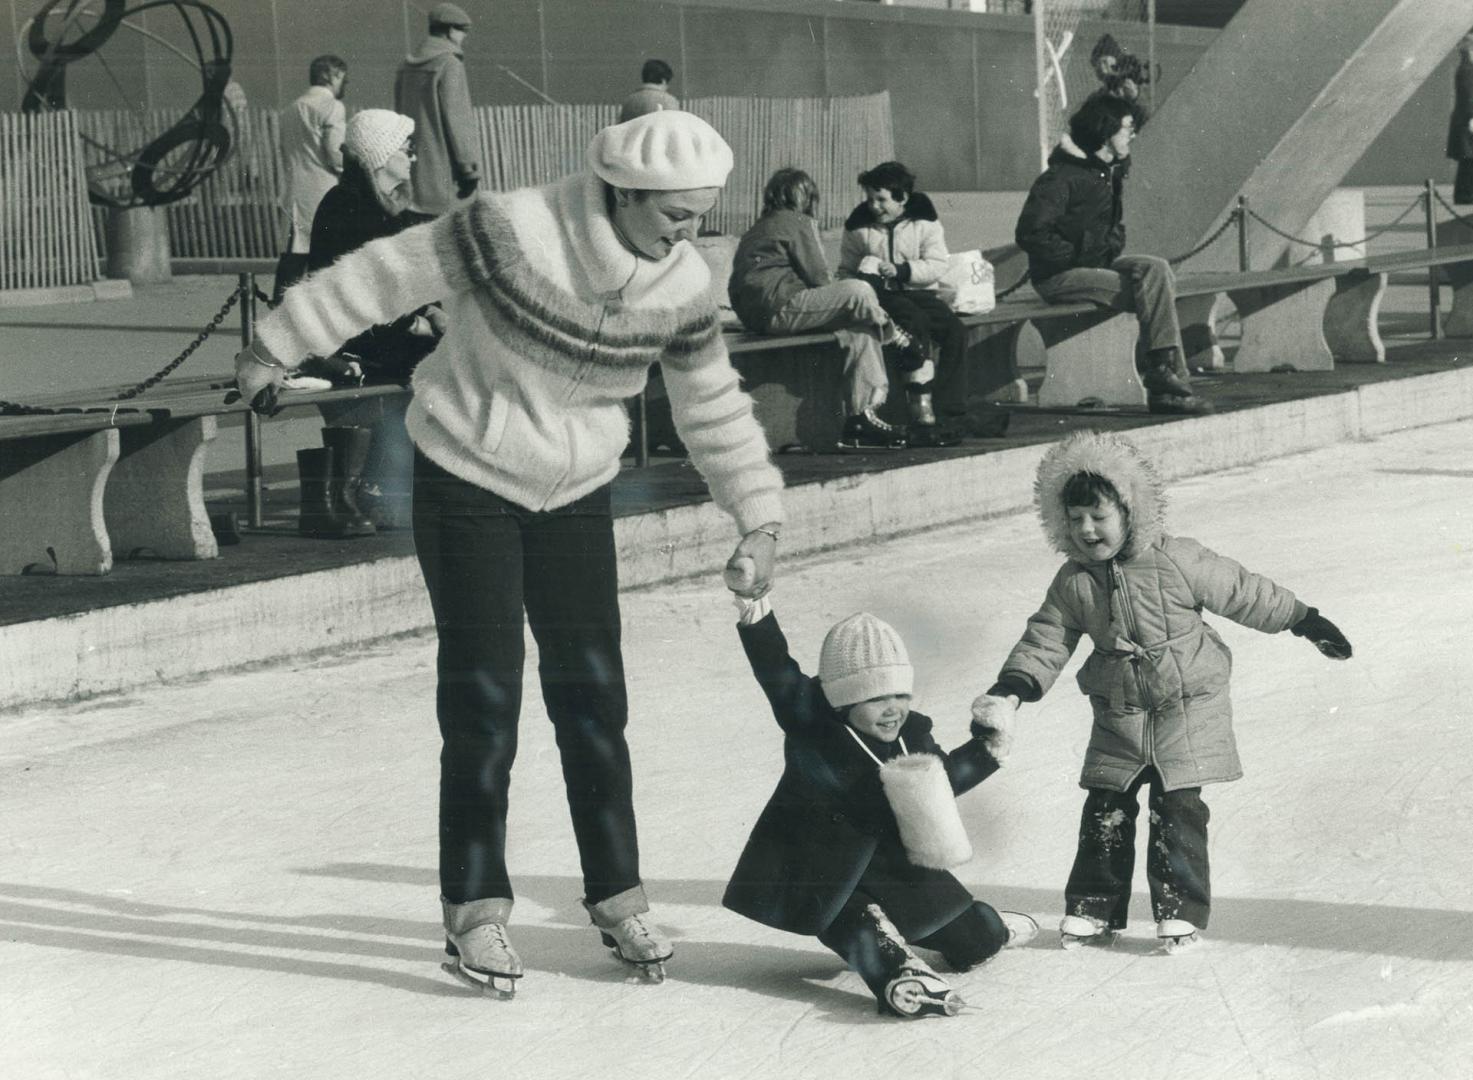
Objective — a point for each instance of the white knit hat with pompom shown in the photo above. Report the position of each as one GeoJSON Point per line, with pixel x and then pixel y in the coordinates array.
{"type": "Point", "coordinates": [667, 150]}
{"type": "Point", "coordinates": [374, 134]}
{"type": "Point", "coordinates": [862, 658]}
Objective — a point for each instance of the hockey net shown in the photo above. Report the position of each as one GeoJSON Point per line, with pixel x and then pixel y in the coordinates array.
{"type": "Point", "coordinates": [1083, 45]}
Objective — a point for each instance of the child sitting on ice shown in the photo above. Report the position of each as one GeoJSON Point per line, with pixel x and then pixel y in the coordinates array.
{"type": "Point", "coordinates": [1157, 679]}
{"type": "Point", "coordinates": [852, 846]}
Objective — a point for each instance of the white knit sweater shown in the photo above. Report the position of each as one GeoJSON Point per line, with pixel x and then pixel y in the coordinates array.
{"type": "Point", "coordinates": [553, 325]}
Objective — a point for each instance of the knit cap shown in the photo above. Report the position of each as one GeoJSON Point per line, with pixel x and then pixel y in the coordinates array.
{"type": "Point", "coordinates": [667, 150]}
{"type": "Point", "coordinates": [450, 15]}
{"type": "Point", "coordinates": [862, 658]}
{"type": "Point", "coordinates": [374, 134]}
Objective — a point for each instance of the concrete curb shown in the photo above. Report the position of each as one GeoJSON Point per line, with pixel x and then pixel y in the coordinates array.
{"type": "Point", "coordinates": [102, 289]}
{"type": "Point", "coordinates": [115, 649]}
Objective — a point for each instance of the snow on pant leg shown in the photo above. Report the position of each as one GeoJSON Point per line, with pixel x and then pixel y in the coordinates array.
{"type": "Point", "coordinates": [972, 937]}
{"type": "Point", "coordinates": [862, 944]}
{"type": "Point", "coordinates": [851, 310]}
{"type": "Point", "coordinates": [1176, 856]}
{"type": "Point", "coordinates": [1152, 284]}
{"type": "Point", "coordinates": [1099, 883]}
{"type": "Point", "coordinates": [469, 544]}
{"type": "Point", "coordinates": [571, 586]}
{"type": "Point", "coordinates": [944, 328]}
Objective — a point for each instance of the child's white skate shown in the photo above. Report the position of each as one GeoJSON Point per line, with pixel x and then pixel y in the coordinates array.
{"type": "Point", "coordinates": [623, 929]}
{"type": "Point", "coordinates": [918, 991]}
{"type": "Point", "coordinates": [1021, 928]}
{"type": "Point", "coordinates": [1177, 935]}
{"type": "Point", "coordinates": [479, 951]}
{"type": "Point", "coordinates": [1077, 930]}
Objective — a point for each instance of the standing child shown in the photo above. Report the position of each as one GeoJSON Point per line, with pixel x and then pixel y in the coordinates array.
{"type": "Point", "coordinates": [853, 844]}
{"type": "Point", "coordinates": [1157, 679]}
{"type": "Point", "coordinates": [780, 284]}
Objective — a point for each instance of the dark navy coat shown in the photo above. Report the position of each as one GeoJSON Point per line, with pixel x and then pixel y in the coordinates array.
{"type": "Point", "coordinates": [828, 817]}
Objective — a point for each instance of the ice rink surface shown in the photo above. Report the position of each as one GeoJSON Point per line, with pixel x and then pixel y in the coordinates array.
{"type": "Point", "coordinates": [235, 878]}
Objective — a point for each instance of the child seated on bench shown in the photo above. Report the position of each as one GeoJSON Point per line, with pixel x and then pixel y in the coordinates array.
{"type": "Point", "coordinates": [780, 284]}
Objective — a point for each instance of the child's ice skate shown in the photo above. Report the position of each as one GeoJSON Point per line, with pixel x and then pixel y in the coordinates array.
{"type": "Point", "coordinates": [918, 991]}
{"type": "Point", "coordinates": [1077, 930]}
{"type": "Point", "coordinates": [480, 953]}
{"type": "Point", "coordinates": [1177, 935]}
{"type": "Point", "coordinates": [622, 927]}
{"type": "Point", "coordinates": [1021, 928]}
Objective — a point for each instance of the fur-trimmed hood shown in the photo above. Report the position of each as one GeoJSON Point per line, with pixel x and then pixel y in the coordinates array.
{"type": "Point", "coordinates": [1117, 459]}
{"type": "Point", "coordinates": [918, 207]}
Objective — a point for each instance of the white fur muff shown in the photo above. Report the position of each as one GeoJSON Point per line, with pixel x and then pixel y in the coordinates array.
{"type": "Point", "coordinates": [925, 808]}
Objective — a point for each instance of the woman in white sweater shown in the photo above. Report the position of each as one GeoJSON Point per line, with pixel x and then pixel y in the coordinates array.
{"type": "Point", "coordinates": [559, 300]}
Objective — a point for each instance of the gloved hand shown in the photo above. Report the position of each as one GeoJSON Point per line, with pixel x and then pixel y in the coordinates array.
{"type": "Point", "coordinates": [1323, 635]}
{"type": "Point", "coordinates": [258, 378]}
{"type": "Point", "coordinates": [992, 722]}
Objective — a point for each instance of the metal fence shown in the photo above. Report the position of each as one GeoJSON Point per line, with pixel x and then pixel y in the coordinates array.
{"type": "Point", "coordinates": [46, 239]}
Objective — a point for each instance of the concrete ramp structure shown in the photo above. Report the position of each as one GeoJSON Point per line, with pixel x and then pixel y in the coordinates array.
{"type": "Point", "coordinates": [1279, 108]}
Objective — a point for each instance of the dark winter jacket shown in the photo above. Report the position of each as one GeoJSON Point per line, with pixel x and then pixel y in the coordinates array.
{"type": "Point", "coordinates": [347, 218]}
{"type": "Point", "coordinates": [431, 90]}
{"type": "Point", "coordinates": [828, 815]}
{"type": "Point", "coordinates": [916, 244]}
{"type": "Point", "coordinates": [1073, 215]}
{"type": "Point", "coordinates": [1459, 138]}
{"type": "Point", "coordinates": [1157, 679]}
{"type": "Point", "coordinates": [778, 256]}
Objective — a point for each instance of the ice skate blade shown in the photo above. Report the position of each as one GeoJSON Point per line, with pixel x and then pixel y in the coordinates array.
{"type": "Point", "coordinates": [1102, 940]}
{"type": "Point", "coordinates": [1021, 928]}
{"type": "Point", "coordinates": [911, 1000]}
{"type": "Point", "coordinates": [501, 987]}
{"type": "Point", "coordinates": [1185, 943]}
{"type": "Point", "coordinates": [651, 972]}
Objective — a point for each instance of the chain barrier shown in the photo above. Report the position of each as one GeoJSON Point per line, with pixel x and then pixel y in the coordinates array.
{"type": "Point", "coordinates": [1336, 244]}
{"type": "Point", "coordinates": [1451, 209]}
{"type": "Point", "coordinates": [15, 408]}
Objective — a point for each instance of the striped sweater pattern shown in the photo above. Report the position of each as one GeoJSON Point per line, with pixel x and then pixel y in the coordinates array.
{"type": "Point", "coordinates": [553, 326]}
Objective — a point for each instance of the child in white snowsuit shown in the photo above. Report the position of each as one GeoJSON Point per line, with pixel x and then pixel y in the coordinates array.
{"type": "Point", "coordinates": [827, 856]}
{"type": "Point", "coordinates": [1157, 679]}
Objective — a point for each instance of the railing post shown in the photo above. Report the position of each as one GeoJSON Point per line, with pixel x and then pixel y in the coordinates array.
{"type": "Point", "coordinates": [1434, 296]}
{"type": "Point", "coordinates": [1243, 233]}
{"type": "Point", "coordinates": [642, 428]}
{"type": "Point", "coordinates": [253, 485]}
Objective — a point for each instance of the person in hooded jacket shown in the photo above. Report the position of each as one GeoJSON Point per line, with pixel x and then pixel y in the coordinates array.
{"type": "Point", "coordinates": [894, 240]}
{"type": "Point", "coordinates": [1157, 679]}
{"type": "Point", "coordinates": [430, 88]}
{"type": "Point", "coordinates": [1072, 228]}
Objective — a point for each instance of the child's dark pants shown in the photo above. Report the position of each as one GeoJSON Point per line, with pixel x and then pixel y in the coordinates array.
{"type": "Point", "coordinates": [1176, 855]}
{"type": "Point", "coordinates": [484, 559]}
{"type": "Point", "coordinates": [925, 316]}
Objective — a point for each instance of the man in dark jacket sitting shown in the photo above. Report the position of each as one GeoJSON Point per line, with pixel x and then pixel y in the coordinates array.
{"type": "Point", "coordinates": [1073, 231]}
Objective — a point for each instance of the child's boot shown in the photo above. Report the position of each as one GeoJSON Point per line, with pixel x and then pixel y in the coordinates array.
{"type": "Point", "coordinates": [1177, 935]}
{"type": "Point", "coordinates": [924, 432]}
{"type": "Point", "coordinates": [918, 991]}
{"type": "Point", "coordinates": [478, 949]}
{"type": "Point", "coordinates": [1021, 928]}
{"type": "Point", "coordinates": [1077, 930]}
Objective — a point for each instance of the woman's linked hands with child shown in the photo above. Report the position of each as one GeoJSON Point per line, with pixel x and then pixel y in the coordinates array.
{"type": "Point", "coordinates": [1323, 635]}
{"type": "Point", "coordinates": [992, 722]}
{"type": "Point", "coordinates": [748, 572]}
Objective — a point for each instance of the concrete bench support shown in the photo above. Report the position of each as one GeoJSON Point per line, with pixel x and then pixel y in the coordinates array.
{"type": "Point", "coordinates": [1198, 318]}
{"type": "Point", "coordinates": [51, 495]}
{"type": "Point", "coordinates": [1284, 325]}
{"type": "Point", "coordinates": [1350, 318]}
{"type": "Point", "coordinates": [1091, 357]}
{"type": "Point", "coordinates": [154, 501]}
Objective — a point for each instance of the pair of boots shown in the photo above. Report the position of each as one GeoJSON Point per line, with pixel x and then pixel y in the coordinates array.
{"type": "Point", "coordinates": [1168, 385]}
{"type": "Point", "coordinates": [330, 478]}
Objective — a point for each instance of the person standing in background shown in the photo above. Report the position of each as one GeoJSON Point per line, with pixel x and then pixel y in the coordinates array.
{"type": "Point", "coordinates": [431, 90]}
{"type": "Point", "coordinates": [1460, 123]}
{"type": "Point", "coordinates": [654, 95]}
{"type": "Point", "coordinates": [312, 131]}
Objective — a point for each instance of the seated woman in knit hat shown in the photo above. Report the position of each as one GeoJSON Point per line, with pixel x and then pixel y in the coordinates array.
{"type": "Point", "coordinates": [559, 299]}
{"type": "Point", "coordinates": [866, 812]}
{"type": "Point", "coordinates": [364, 471]}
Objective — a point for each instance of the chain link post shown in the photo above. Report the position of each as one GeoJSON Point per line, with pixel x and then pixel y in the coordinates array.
{"type": "Point", "coordinates": [1434, 296]}
{"type": "Point", "coordinates": [253, 485]}
{"type": "Point", "coordinates": [1243, 233]}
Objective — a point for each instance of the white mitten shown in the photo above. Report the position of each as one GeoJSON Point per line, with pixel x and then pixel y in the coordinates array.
{"type": "Point", "coordinates": [992, 722]}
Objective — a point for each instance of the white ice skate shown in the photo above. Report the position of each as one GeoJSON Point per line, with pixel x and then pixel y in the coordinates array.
{"type": "Point", "coordinates": [1177, 935]}
{"type": "Point", "coordinates": [622, 927]}
{"type": "Point", "coordinates": [1021, 928]}
{"type": "Point", "coordinates": [918, 991]}
{"type": "Point", "coordinates": [480, 953]}
{"type": "Point", "coordinates": [1076, 930]}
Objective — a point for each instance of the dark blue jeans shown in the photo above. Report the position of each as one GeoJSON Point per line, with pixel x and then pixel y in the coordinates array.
{"type": "Point", "coordinates": [1176, 854]}
{"type": "Point", "coordinates": [485, 560]}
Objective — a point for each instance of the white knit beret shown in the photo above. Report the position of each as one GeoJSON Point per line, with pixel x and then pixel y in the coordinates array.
{"type": "Point", "coordinates": [374, 134]}
{"type": "Point", "coordinates": [668, 150]}
{"type": "Point", "coordinates": [862, 658]}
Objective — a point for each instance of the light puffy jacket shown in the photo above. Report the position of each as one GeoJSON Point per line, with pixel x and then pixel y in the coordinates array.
{"type": "Point", "coordinates": [916, 241]}
{"type": "Point", "coordinates": [1157, 679]}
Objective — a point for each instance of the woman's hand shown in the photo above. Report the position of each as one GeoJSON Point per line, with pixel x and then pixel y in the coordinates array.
{"type": "Point", "coordinates": [760, 546]}
{"type": "Point", "coordinates": [258, 375]}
